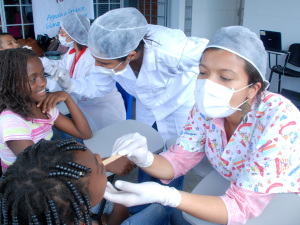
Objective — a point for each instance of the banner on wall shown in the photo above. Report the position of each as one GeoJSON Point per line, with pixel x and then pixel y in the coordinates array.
{"type": "Point", "coordinates": [47, 14]}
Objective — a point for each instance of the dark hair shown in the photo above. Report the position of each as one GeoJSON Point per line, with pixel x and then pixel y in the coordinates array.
{"type": "Point", "coordinates": [139, 47]}
{"type": "Point", "coordinates": [80, 47]}
{"type": "Point", "coordinates": [43, 186]}
{"type": "Point", "coordinates": [14, 93]}
{"type": "Point", "coordinates": [3, 34]}
{"type": "Point", "coordinates": [254, 76]}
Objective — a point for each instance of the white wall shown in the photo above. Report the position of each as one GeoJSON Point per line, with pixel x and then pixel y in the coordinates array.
{"type": "Point", "coordinates": [276, 15]}
{"type": "Point", "coordinates": [176, 14]}
{"type": "Point", "coordinates": [210, 15]}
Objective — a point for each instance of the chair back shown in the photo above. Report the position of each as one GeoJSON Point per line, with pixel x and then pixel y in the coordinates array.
{"type": "Point", "coordinates": [294, 57]}
{"type": "Point", "coordinates": [128, 99]}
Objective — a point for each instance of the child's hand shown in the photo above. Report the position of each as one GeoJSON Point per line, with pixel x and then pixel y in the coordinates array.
{"type": "Point", "coordinates": [52, 99]}
{"type": "Point", "coordinates": [121, 166]}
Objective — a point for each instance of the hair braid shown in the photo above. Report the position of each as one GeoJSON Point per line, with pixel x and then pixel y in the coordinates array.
{"type": "Point", "coordinates": [30, 195]}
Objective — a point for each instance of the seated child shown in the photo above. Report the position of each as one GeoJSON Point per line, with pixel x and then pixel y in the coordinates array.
{"type": "Point", "coordinates": [27, 113]}
{"type": "Point", "coordinates": [7, 41]}
{"type": "Point", "coordinates": [53, 182]}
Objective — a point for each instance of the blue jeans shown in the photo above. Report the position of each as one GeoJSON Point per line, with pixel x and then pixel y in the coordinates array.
{"type": "Point", "coordinates": [177, 218]}
{"type": "Point", "coordinates": [154, 214]}
{"type": "Point", "coordinates": [138, 211]}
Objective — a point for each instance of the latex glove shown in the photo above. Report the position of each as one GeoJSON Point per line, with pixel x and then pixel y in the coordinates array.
{"type": "Point", "coordinates": [132, 194]}
{"type": "Point", "coordinates": [54, 71]}
{"type": "Point", "coordinates": [134, 146]}
{"type": "Point", "coordinates": [64, 80]}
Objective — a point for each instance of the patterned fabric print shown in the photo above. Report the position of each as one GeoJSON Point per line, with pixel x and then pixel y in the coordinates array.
{"type": "Point", "coordinates": [263, 153]}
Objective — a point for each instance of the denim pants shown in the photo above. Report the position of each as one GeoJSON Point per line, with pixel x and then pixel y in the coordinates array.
{"type": "Point", "coordinates": [152, 213]}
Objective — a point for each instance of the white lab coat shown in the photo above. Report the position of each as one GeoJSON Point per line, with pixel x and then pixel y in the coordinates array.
{"type": "Point", "coordinates": [164, 89]}
{"type": "Point", "coordinates": [99, 111]}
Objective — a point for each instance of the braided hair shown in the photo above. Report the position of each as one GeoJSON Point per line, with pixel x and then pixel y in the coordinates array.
{"type": "Point", "coordinates": [14, 84]}
{"type": "Point", "coordinates": [43, 186]}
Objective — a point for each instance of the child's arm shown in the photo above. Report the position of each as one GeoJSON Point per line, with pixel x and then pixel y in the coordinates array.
{"type": "Point", "coordinates": [78, 125]}
{"type": "Point", "coordinates": [18, 146]}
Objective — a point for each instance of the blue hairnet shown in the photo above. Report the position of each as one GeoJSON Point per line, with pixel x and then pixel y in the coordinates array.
{"type": "Point", "coordinates": [77, 27]}
{"type": "Point", "coordinates": [116, 33]}
{"type": "Point", "coordinates": [244, 43]}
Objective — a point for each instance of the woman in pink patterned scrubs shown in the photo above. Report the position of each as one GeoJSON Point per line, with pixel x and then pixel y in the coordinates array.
{"type": "Point", "coordinates": [249, 135]}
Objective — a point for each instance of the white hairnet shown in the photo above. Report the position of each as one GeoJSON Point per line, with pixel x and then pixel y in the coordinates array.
{"type": "Point", "coordinates": [244, 43]}
{"type": "Point", "coordinates": [116, 33]}
{"type": "Point", "coordinates": [77, 27]}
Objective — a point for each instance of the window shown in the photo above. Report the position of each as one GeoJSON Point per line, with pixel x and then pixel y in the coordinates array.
{"type": "Point", "coordinates": [188, 17]}
{"type": "Point", "coordinates": [16, 15]}
{"type": "Point", "coordinates": [155, 11]}
{"type": "Point", "coordinates": [16, 18]}
{"type": "Point", "coordinates": [102, 6]}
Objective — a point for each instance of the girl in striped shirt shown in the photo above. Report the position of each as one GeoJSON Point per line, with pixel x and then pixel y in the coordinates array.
{"type": "Point", "coordinates": [27, 113]}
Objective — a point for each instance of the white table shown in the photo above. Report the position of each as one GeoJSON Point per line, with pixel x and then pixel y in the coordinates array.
{"type": "Point", "coordinates": [103, 140]}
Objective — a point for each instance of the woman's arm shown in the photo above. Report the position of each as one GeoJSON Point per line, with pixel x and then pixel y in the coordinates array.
{"type": "Point", "coordinates": [78, 125]}
{"type": "Point", "coordinates": [209, 208]}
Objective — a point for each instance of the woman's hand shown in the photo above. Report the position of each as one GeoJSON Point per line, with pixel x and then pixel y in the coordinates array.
{"type": "Point", "coordinates": [121, 166]}
{"type": "Point", "coordinates": [52, 99]}
{"type": "Point", "coordinates": [130, 194]}
{"type": "Point", "coordinates": [134, 146]}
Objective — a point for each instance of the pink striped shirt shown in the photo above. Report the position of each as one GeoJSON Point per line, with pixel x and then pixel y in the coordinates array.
{"type": "Point", "coordinates": [15, 127]}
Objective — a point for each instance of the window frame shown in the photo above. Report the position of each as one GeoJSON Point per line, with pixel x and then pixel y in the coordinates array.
{"type": "Point", "coordinates": [4, 25]}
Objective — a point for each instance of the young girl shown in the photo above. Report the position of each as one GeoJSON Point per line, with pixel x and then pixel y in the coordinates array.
{"type": "Point", "coordinates": [54, 182]}
{"type": "Point", "coordinates": [27, 112]}
{"type": "Point", "coordinates": [38, 189]}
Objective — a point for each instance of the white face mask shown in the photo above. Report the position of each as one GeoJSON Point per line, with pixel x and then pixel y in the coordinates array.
{"type": "Point", "coordinates": [106, 71]}
{"type": "Point", "coordinates": [213, 99]}
{"type": "Point", "coordinates": [63, 41]}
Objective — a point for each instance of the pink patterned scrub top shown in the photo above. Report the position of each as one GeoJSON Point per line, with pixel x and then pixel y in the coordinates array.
{"type": "Point", "coordinates": [15, 127]}
{"type": "Point", "coordinates": [263, 154]}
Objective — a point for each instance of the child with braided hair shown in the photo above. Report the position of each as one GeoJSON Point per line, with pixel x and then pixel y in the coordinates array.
{"type": "Point", "coordinates": [27, 113]}
{"type": "Point", "coordinates": [52, 182]}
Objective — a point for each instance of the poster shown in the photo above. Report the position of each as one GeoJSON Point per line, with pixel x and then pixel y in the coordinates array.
{"type": "Point", "coordinates": [47, 14]}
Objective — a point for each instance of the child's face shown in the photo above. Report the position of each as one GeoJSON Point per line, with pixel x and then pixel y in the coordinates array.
{"type": "Point", "coordinates": [8, 41]}
{"type": "Point", "coordinates": [97, 179]}
{"type": "Point", "coordinates": [37, 81]}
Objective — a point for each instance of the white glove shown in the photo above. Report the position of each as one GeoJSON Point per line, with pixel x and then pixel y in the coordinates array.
{"type": "Point", "coordinates": [131, 194]}
{"type": "Point", "coordinates": [63, 78]}
{"type": "Point", "coordinates": [54, 71]}
{"type": "Point", "coordinates": [135, 147]}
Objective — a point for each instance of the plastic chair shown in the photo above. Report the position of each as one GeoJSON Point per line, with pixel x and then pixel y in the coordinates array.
{"type": "Point", "coordinates": [292, 58]}
{"type": "Point", "coordinates": [128, 99]}
{"type": "Point", "coordinates": [283, 208]}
